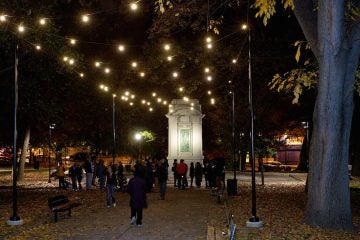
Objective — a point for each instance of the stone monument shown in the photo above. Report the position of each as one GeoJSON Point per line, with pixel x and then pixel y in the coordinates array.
{"type": "Point", "coordinates": [185, 131]}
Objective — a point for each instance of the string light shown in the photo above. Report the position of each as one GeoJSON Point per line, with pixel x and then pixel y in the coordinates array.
{"type": "Point", "coordinates": [175, 74]}
{"type": "Point", "coordinates": [71, 61]}
{"type": "Point", "coordinates": [148, 103]}
{"type": "Point", "coordinates": [212, 101]}
{"type": "Point", "coordinates": [72, 41]}
{"type": "Point", "coordinates": [142, 74]}
{"type": "Point", "coordinates": [209, 92]}
{"type": "Point", "coordinates": [150, 109]}
{"type": "Point", "coordinates": [81, 75]}
{"type": "Point", "coordinates": [181, 89]}
{"type": "Point", "coordinates": [143, 101]}
{"type": "Point", "coordinates": [234, 61]}
{"type": "Point", "coordinates": [107, 70]}
{"type": "Point", "coordinates": [186, 99]}
{"type": "Point", "coordinates": [209, 78]}
{"type": "Point", "coordinates": [208, 40]}
{"type": "Point", "coordinates": [65, 58]}
{"type": "Point", "coordinates": [134, 6]}
{"type": "Point", "coordinates": [167, 47]}
{"type": "Point", "coordinates": [131, 103]}
{"type": "Point", "coordinates": [2, 18]}
{"type": "Point", "coordinates": [97, 64]}
{"type": "Point", "coordinates": [154, 94]}
{"type": "Point", "coordinates": [165, 102]}
{"type": "Point", "coordinates": [209, 46]}
{"type": "Point", "coordinates": [42, 21]}
{"type": "Point", "coordinates": [244, 26]}
{"type": "Point", "coordinates": [134, 64]}
{"type": "Point", "coordinates": [169, 58]}
{"type": "Point", "coordinates": [85, 18]}
{"type": "Point", "coordinates": [206, 70]}
{"type": "Point", "coordinates": [121, 48]}
{"type": "Point", "coordinates": [21, 28]}
{"type": "Point", "coordinates": [38, 47]}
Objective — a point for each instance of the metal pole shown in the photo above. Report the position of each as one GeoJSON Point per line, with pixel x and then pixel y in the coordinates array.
{"type": "Point", "coordinates": [233, 131]}
{"type": "Point", "coordinates": [15, 219]}
{"type": "Point", "coordinates": [254, 220]}
{"type": "Point", "coordinates": [49, 181]}
{"type": "Point", "coordinates": [114, 139]}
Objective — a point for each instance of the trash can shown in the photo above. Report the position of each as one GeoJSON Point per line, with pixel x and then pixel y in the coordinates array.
{"type": "Point", "coordinates": [231, 187]}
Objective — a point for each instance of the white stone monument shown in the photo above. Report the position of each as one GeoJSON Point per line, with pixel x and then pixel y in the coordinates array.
{"type": "Point", "coordinates": [185, 131]}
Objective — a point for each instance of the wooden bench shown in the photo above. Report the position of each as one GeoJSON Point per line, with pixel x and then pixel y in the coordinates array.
{"type": "Point", "coordinates": [61, 203]}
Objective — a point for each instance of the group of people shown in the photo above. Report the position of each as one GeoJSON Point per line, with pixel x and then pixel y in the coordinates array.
{"type": "Point", "coordinates": [213, 171]}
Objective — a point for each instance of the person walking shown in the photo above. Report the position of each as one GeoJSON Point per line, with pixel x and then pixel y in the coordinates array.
{"type": "Point", "coordinates": [198, 174]}
{"type": "Point", "coordinates": [162, 177]}
{"type": "Point", "coordinates": [192, 173]}
{"type": "Point", "coordinates": [89, 173]}
{"type": "Point", "coordinates": [110, 174]}
{"type": "Point", "coordinates": [136, 189]}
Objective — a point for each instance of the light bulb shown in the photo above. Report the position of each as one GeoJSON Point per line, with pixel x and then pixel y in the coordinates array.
{"type": "Point", "coordinates": [121, 48]}
{"type": "Point", "coordinates": [134, 6]}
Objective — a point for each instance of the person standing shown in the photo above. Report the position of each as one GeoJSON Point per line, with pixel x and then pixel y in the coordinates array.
{"type": "Point", "coordinates": [192, 173]}
{"type": "Point", "coordinates": [89, 173]}
{"type": "Point", "coordinates": [79, 176]}
{"type": "Point", "coordinates": [136, 189]}
{"type": "Point", "coordinates": [162, 177]}
{"type": "Point", "coordinates": [101, 173]}
{"type": "Point", "coordinates": [198, 174]}
{"type": "Point", "coordinates": [61, 175]}
{"type": "Point", "coordinates": [181, 170]}
{"type": "Point", "coordinates": [72, 174]}
{"type": "Point", "coordinates": [173, 168]}
{"type": "Point", "coordinates": [110, 185]}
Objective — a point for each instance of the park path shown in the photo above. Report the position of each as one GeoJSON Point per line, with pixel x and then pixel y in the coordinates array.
{"type": "Point", "coordinates": [184, 214]}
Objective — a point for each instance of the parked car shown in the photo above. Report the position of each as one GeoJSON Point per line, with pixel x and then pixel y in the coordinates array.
{"type": "Point", "coordinates": [276, 166]}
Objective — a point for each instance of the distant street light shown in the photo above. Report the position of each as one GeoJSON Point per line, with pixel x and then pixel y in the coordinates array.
{"type": "Point", "coordinates": [51, 127]}
{"type": "Point", "coordinates": [138, 138]}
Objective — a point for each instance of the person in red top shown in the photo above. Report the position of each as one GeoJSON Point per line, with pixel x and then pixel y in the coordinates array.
{"type": "Point", "coordinates": [181, 170]}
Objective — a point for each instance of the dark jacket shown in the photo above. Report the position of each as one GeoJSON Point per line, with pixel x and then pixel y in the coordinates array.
{"type": "Point", "coordinates": [161, 173]}
{"type": "Point", "coordinates": [136, 189]}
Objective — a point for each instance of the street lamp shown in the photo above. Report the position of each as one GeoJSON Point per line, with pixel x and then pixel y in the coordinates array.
{"type": "Point", "coordinates": [138, 138]}
{"type": "Point", "coordinates": [254, 221]}
{"type": "Point", "coordinates": [51, 127]}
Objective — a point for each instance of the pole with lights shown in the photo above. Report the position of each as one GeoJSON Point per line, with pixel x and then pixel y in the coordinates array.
{"type": "Point", "coordinates": [254, 221]}
{"type": "Point", "coordinates": [15, 219]}
{"type": "Point", "coordinates": [51, 127]}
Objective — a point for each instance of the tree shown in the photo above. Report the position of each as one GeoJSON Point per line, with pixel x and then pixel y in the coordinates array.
{"type": "Point", "coordinates": [332, 28]}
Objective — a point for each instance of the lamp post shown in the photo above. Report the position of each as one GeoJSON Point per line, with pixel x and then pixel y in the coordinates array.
{"type": "Point", "coordinates": [106, 89]}
{"type": "Point", "coordinates": [113, 123]}
{"type": "Point", "coordinates": [51, 127]}
{"type": "Point", "coordinates": [15, 219]}
{"type": "Point", "coordinates": [254, 221]}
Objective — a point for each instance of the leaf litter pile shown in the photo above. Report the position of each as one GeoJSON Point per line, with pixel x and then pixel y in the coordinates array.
{"type": "Point", "coordinates": [279, 206]}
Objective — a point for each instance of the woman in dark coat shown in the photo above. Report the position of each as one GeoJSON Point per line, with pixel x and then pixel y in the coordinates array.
{"type": "Point", "coordinates": [136, 189]}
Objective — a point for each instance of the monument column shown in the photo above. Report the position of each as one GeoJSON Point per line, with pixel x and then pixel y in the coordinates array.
{"type": "Point", "coordinates": [185, 131]}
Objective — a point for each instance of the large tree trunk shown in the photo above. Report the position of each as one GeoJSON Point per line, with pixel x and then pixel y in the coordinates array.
{"type": "Point", "coordinates": [25, 147]}
{"type": "Point", "coordinates": [328, 203]}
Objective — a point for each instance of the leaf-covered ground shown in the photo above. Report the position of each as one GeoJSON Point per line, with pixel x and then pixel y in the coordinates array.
{"type": "Point", "coordinates": [183, 215]}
